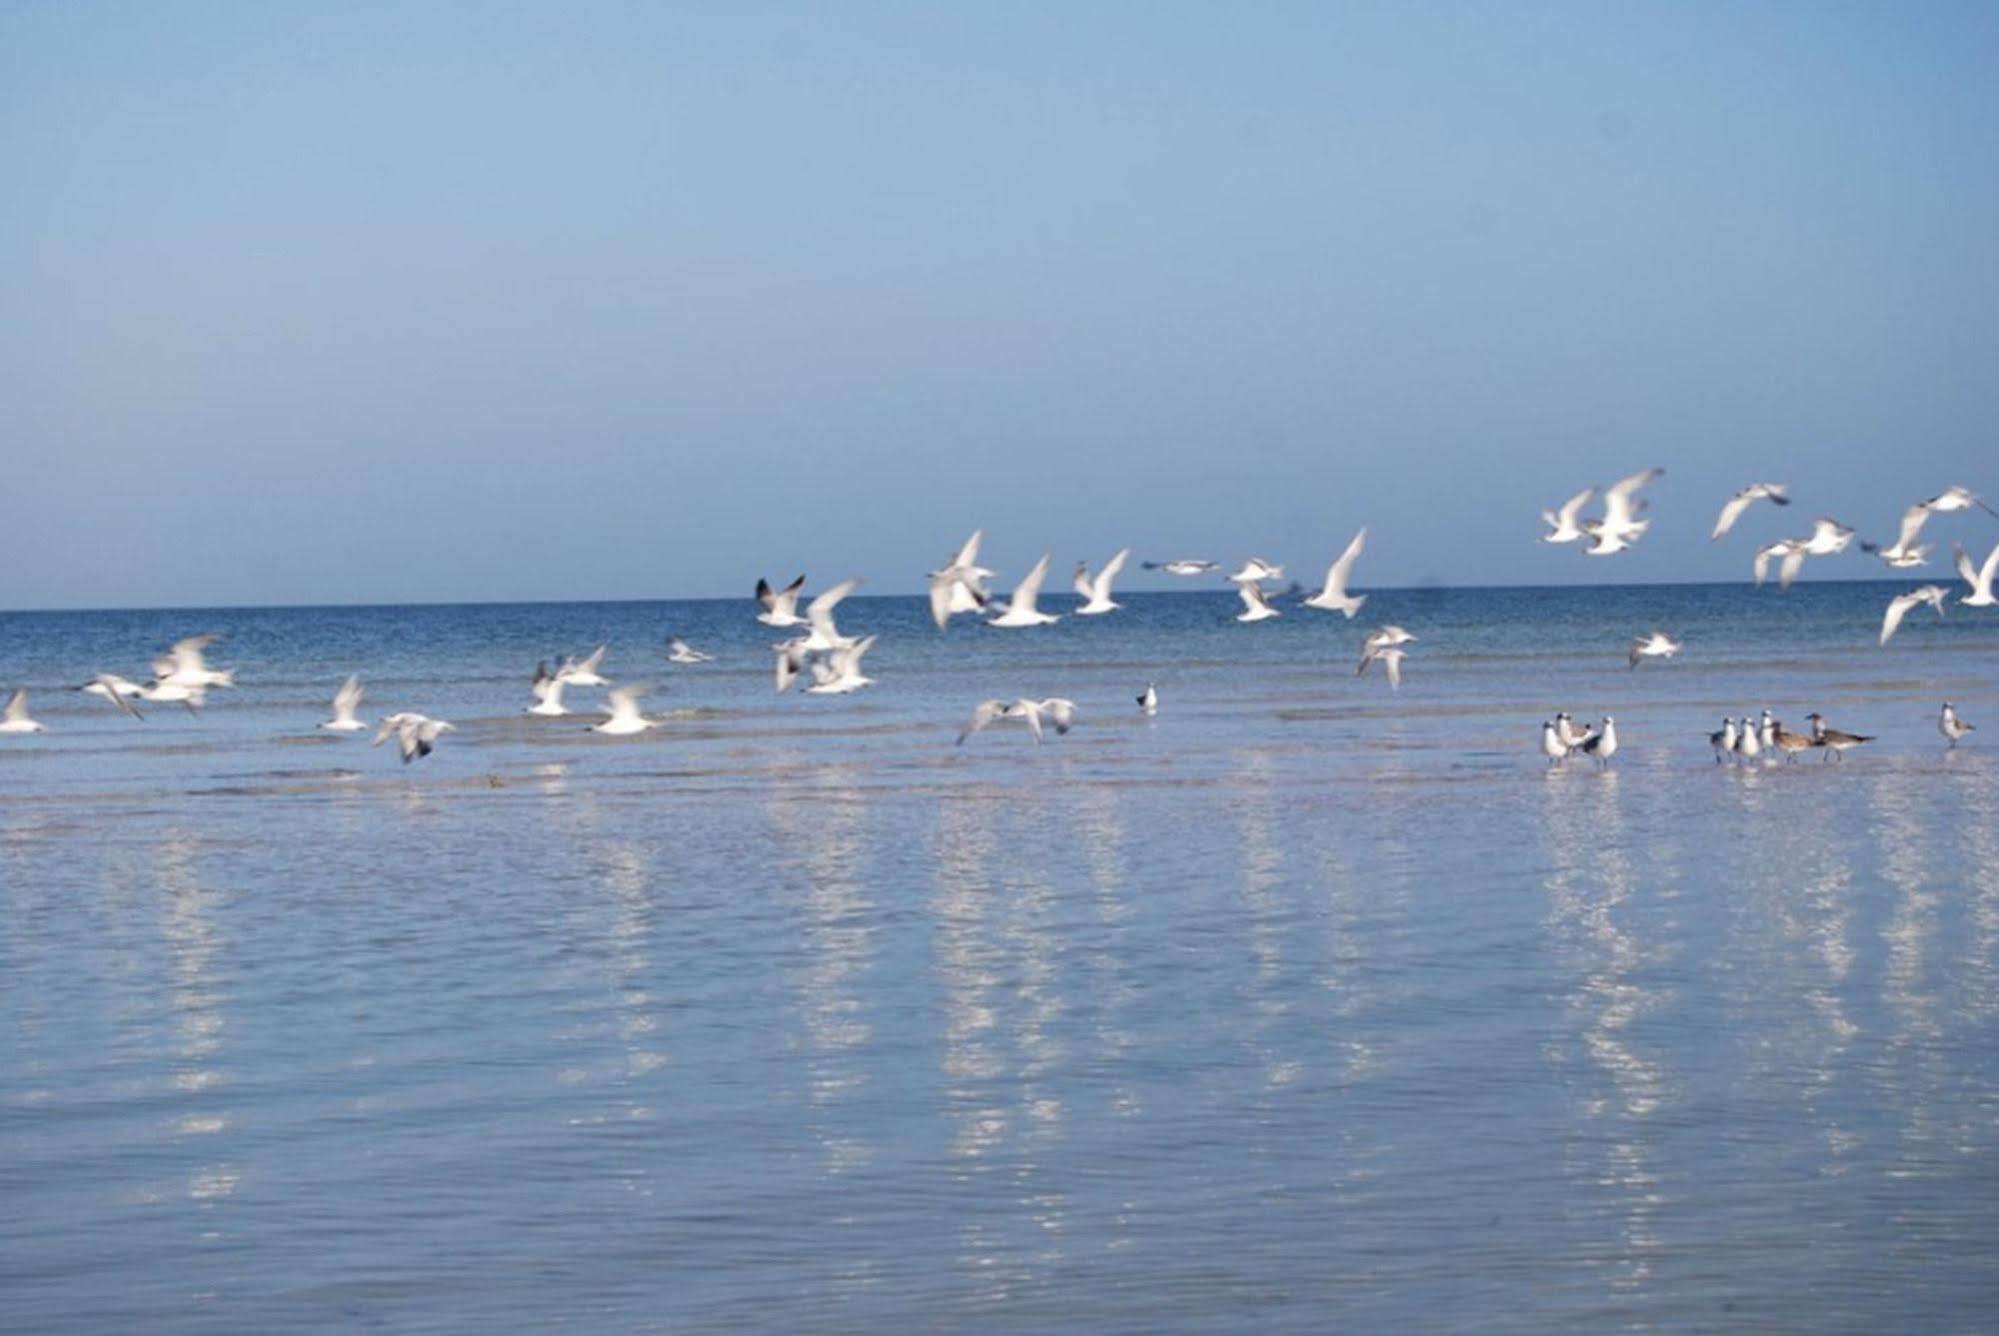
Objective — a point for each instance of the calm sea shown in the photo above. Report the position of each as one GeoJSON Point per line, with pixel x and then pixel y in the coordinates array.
{"type": "Point", "coordinates": [1302, 1006]}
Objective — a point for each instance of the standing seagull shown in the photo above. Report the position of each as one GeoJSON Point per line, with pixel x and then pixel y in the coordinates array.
{"type": "Point", "coordinates": [415, 734]}
{"type": "Point", "coordinates": [679, 651]}
{"type": "Point", "coordinates": [1148, 699]}
{"type": "Point", "coordinates": [1657, 645]}
{"type": "Point", "coordinates": [1836, 743]}
{"type": "Point", "coordinates": [1747, 744]}
{"type": "Point", "coordinates": [1562, 526]}
{"type": "Point", "coordinates": [1731, 511]}
{"type": "Point", "coordinates": [1951, 726]}
{"type": "Point", "coordinates": [344, 701]}
{"type": "Point", "coordinates": [1181, 566]}
{"type": "Point", "coordinates": [1097, 592]}
{"type": "Point", "coordinates": [1601, 742]}
{"type": "Point", "coordinates": [622, 705]}
{"type": "Point", "coordinates": [780, 606]}
{"type": "Point", "coordinates": [1552, 745]}
{"type": "Point", "coordinates": [1723, 740]}
{"type": "Point", "coordinates": [1255, 605]}
{"type": "Point", "coordinates": [1979, 579]}
{"type": "Point", "coordinates": [960, 586]}
{"type": "Point", "coordinates": [1020, 609]}
{"type": "Point", "coordinates": [1334, 597]}
{"type": "Point", "coordinates": [15, 718]}
{"type": "Point", "coordinates": [1899, 606]}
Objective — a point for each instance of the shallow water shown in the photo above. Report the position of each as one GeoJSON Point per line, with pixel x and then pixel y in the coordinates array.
{"type": "Point", "coordinates": [1302, 1005]}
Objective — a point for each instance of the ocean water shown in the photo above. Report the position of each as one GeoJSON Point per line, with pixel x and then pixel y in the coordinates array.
{"type": "Point", "coordinates": [1302, 1006]}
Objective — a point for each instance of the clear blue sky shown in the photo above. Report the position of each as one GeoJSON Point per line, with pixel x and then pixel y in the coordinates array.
{"type": "Point", "coordinates": [353, 302]}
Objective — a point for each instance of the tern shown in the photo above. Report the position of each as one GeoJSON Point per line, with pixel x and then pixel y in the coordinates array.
{"type": "Point", "coordinates": [574, 672]}
{"type": "Point", "coordinates": [183, 665]}
{"type": "Point", "coordinates": [1957, 498]}
{"type": "Point", "coordinates": [840, 671]}
{"type": "Point", "coordinates": [1620, 526]}
{"type": "Point", "coordinates": [1900, 605]}
{"type": "Point", "coordinates": [1181, 566]}
{"type": "Point", "coordinates": [1836, 743]}
{"type": "Point", "coordinates": [621, 704]}
{"type": "Point", "coordinates": [416, 735]}
{"type": "Point", "coordinates": [1732, 509]}
{"type": "Point", "coordinates": [1980, 579]}
{"type": "Point", "coordinates": [1827, 537]}
{"type": "Point", "coordinates": [1951, 726]}
{"type": "Point", "coordinates": [1390, 659]}
{"type": "Point", "coordinates": [344, 701]}
{"type": "Point", "coordinates": [1061, 714]}
{"type": "Point", "coordinates": [1148, 699]}
{"type": "Point", "coordinates": [112, 687]}
{"type": "Point", "coordinates": [1562, 526]}
{"type": "Point", "coordinates": [1723, 740]}
{"type": "Point", "coordinates": [679, 651]}
{"type": "Point", "coordinates": [1020, 609]}
{"type": "Point", "coordinates": [15, 718]}
{"type": "Point", "coordinates": [1334, 597]}
{"type": "Point", "coordinates": [1256, 568]}
{"type": "Point", "coordinates": [1097, 592]}
{"type": "Point", "coordinates": [1601, 741]}
{"type": "Point", "coordinates": [1657, 645]}
{"type": "Point", "coordinates": [1903, 552]}
{"type": "Point", "coordinates": [1792, 554]}
{"type": "Point", "coordinates": [547, 688]}
{"type": "Point", "coordinates": [960, 586]}
{"type": "Point", "coordinates": [824, 635]}
{"type": "Point", "coordinates": [1255, 603]}
{"type": "Point", "coordinates": [791, 660]}
{"type": "Point", "coordinates": [780, 606]}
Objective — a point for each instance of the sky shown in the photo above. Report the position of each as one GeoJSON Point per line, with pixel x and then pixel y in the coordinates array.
{"type": "Point", "coordinates": [433, 302]}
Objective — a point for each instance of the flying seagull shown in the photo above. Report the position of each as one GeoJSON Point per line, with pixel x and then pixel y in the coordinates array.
{"type": "Point", "coordinates": [1732, 509]}
{"type": "Point", "coordinates": [1900, 606]}
{"type": "Point", "coordinates": [416, 735]}
{"type": "Point", "coordinates": [1334, 597]}
{"type": "Point", "coordinates": [621, 704]}
{"type": "Point", "coordinates": [1061, 715]}
{"type": "Point", "coordinates": [1020, 609]}
{"type": "Point", "coordinates": [1096, 591]}
{"type": "Point", "coordinates": [1657, 645]}
{"type": "Point", "coordinates": [344, 702]}
{"type": "Point", "coordinates": [779, 606]}
{"type": "Point", "coordinates": [15, 718]}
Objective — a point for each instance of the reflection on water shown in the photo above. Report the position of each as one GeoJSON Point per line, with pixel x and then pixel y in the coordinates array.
{"type": "Point", "coordinates": [196, 999]}
{"type": "Point", "coordinates": [1251, 801]}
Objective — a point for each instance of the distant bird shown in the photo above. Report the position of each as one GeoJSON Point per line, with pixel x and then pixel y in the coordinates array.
{"type": "Point", "coordinates": [15, 718]}
{"type": "Point", "coordinates": [1256, 568]}
{"type": "Point", "coordinates": [1788, 743]}
{"type": "Point", "coordinates": [1061, 714]}
{"type": "Point", "coordinates": [1620, 526]}
{"type": "Point", "coordinates": [1747, 744]}
{"type": "Point", "coordinates": [547, 689]}
{"type": "Point", "coordinates": [183, 665]}
{"type": "Point", "coordinates": [839, 672]}
{"type": "Point", "coordinates": [780, 606]}
{"type": "Point", "coordinates": [679, 651]}
{"type": "Point", "coordinates": [1148, 699]}
{"type": "Point", "coordinates": [960, 584]}
{"type": "Point", "coordinates": [1096, 592]}
{"type": "Point", "coordinates": [416, 735]}
{"type": "Point", "coordinates": [1899, 606]}
{"type": "Point", "coordinates": [574, 672]}
{"type": "Point", "coordinates": [1562, 525]}
{"type": "Point", "coordinates": [823, 633]}
{"type": "Point", "coordinates": [1980, 578]}
{"type": "Point", "coordinates": [1552, 745]}
{"type": "Point", "coordinates": [1903, 552]}
{"type": "Point", "coordinates": [1951, 726]}
{"type": "Point", "coordinates": [1732, 509]}
{"type": "Point", "coordinates": [1390, 659]}
{"type": "Point", "coordinates": [1020, 609]}
{"type": "Point", "coordinates": [1827, 537]}
{"type": "Point", "coordinates": [1565, 729]}
{"type": "Point", "coordinates": [116, 689]}
{"type": "Point", "coordinates": [1766, 731]}
{"type": "Point", "coordinates": [1255, 603]}
{"type": "Point", "coordinates": [1792, 553]}
{"type": "Point", "coordinates": [1334, 597]}
{"type": "Point", "coordinates": [1657, 645]}
{"type": "Point", "coordinates": [344, 702]}
{"type": "Point", "coordinates": [1180, 566]}
{"type": "Point", "coordinates": [1723, 740]}
{"type": "Point", "coordinates": [1957, 498]}
{"type": "Point", "coordinates": [621, 704]}
{"type": "Point", "coordinates": [1601, 741]}
{"type": "Point", "coordinates": [1835, 743]}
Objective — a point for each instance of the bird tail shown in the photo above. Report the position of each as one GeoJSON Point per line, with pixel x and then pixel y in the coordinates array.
{"type": "Point", "coordinates": [226, 678]}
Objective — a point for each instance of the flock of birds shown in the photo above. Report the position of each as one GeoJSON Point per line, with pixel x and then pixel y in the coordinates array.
{"type": "Point", "coordinates": [830, 662]}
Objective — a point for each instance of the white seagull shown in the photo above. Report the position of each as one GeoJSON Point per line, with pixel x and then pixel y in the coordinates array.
{"type": "Point", "coordinates": [1096, 592]}
{"type": "Point", "coordinates": [679, 651]}
{"type": "Point", "coordinates": [1620, 526]}
{"type": "Point", "coordinates": [1566, 729]}
{"type": "Point", "coordinates": [113, 688]}
{"type": "Point", "coordinates": [183, 665]}
{"type": "Point", "coordinates": [1980, 578]}
{"type": "Point", "coordinates": [621, 704]}
{"type": "Point", "coordinates": [791, 660]}
{"type": "Point", "coordinates": [1552, 745]}
{"type": "Point", "coordinates": [1148, 699]}
{"type": "Point", "coordinates": [1955, 497]}
{"type": "Point", "coordinates": [15, 718]}
{"type": "Point", "coordinates": [547, 689]}
{"type": "Point", "coordinates": [1020, 609]}
{"type": "Point", "coordinates": [1562, 525]}
{"type": "Point", "coordinates": [824, 635]}
{"type": "Point", "coordinates": [840, 671]}
{"type": "Point", "coordinates": [344, 701]}
{"type": "Point", "coordinates": [1334, 597]}
{"type": "Point", "coordinates": [780, 606]}
{"type": "Point", "coordinates": [415, 734]}
{"type": "Point", "coordinates": [1732, 509]}
{"type": "Point", "coordinates": [1791, 551]}
{"type": "Point", "coordinates": [1255, 605]}
{"type": "Point", "coordinates": [1748, 740]}
{"type": "Point", "coordinates": [574, 672]}
{"type": "Point", "coordinates": [1601, 741]}
{"type": "Point", "coordinates": [1181, 566]}
{"type": "Point", "coordinates": [1256, 568]}
{"type": "Point", "coordinates": [961, 585]}
{"type": "Point", "coordinates": [1827, 537]}
{"type": "Point", "coordinates": [1951, 726]}
{"type": "Point", "coordinates": [1390, 658]}
{"type": "Point", "coordinates": [1723, 740]}
{"type": "Point", "coordinates": [1903, 552]}
{"type": "Point", "coordinates": [1900, 606]}
{"type": "Point", "coordinates": [1657, 645]}
{"type": "Point", "coordinates": [1061, 714]}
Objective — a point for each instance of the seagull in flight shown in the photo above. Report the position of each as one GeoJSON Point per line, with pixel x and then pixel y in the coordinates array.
{"type": "Point", "coordinates": [1792, 554]}
{"type": "Point", "coordinates": [1334, 597]}
{"type": "Point", "coordinates": [1957, 498]}
{"type": "Point", "coordinates": [1385, 643]}
{"type": "Point", "coordinates": [415, 734]}
{"type": "Point", "coordinates": [1979, 578]}
{"type": "Point", "coordinates": [1562, 522]}
{"type": "Point", "coordinates": [1657, 645]}
{"type": "Point", "coordinates": [15, 718]}
{"type": "Point", "coordinates": [183, 665]}
{"type": "Point", "coordinates": [547, 688]}
{"type": "Point", "coordinates": [1903, 552]}
{"type": "Point", "coordinates": [824, 635]}
{"type": "Point", "coordinates": [961, 585]}
{"type": "Point", "coordinates": [679, 651]}
{"type": "Point", "coordinates": [1901, 605]}
{"type": "Point", "coordinates": [1181, 566]}
{"type": "Point", "coordinates": [1731, 510]}
{"type": "Point", "coordinates": [344, 702]}
{"type": "Point", "coordinates": [1256, 568]}
{"type": "Point", "coordinates": [1255, 604]}
{"type": "Point", "coordinates": [574, 672]}
{"type": "Point", "coordinates": [1061, 714]}
{"type": "Point", "coordinates": [780, 606]}
{"type": "Point", "coordinates": [621, 704]}
{"type": "Point", "coordinates": [839, 672]}
{"type": "Point", "coordinates": [1096, 592]}
{"type": "Point", "coordinates": [1620, 526]}
{"type": "Point", "coordinates": [113, 688]}
{"type": "Point", "coordinates": [1020, 609]}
